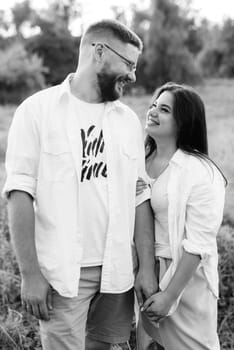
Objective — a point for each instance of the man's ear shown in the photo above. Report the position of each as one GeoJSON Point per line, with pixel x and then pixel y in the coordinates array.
{"type": "Point", "coordinates": [99, 51]}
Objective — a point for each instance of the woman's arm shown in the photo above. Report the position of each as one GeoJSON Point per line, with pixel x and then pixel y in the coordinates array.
{"type": "Point", "coordinates": [159, 304]}
{"type": "Point", "coordinates": [184, 272]}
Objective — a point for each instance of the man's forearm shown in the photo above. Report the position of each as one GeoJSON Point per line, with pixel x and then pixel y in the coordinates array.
{"type": "Point", "coordinates": [144, 236]}
{"type": "Point", "coordinates": [22, 228]}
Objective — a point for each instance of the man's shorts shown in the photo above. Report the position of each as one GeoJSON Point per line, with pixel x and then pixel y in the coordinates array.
{"type": "Point", "coordinates": [100, 316]}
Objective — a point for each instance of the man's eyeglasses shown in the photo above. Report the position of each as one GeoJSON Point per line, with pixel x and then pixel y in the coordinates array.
{"type": "Point", "coordinates": [130, 64]}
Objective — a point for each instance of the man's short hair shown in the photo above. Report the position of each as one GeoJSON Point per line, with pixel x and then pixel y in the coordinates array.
{"type": "Point", "coordinates": [115, 29]}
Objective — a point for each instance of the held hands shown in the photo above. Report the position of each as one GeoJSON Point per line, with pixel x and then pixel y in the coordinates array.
{"type": "Point", "coordinates": [145, 285]}
{"type": "Point", "coordinates": [36, 296]}
{"type": "Point", "coordinates": [157, 306]}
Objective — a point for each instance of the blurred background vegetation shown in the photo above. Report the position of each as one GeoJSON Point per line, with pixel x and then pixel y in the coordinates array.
{"type": "Point", "coordinates": [177, 45]}
{"type": "Point", "coordinates": [38, 49]}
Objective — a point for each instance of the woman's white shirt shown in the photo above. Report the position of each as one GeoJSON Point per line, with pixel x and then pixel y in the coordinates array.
{"type": "Point", "coordinates": [196, 192]}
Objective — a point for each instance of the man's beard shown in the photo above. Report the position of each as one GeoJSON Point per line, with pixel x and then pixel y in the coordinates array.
{"type": "Point", "coordinates": [111, 85]}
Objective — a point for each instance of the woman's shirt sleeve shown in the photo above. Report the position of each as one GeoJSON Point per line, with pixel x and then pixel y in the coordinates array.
{"type": "Point", "coordinates": [204, 214]}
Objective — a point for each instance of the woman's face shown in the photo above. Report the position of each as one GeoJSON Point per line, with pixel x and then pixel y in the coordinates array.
{"type": "Point", "coordinates": [160, 120]}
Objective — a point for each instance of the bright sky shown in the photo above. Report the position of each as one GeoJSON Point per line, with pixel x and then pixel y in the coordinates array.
{"type": "Point", "coordinates": [214, 10]}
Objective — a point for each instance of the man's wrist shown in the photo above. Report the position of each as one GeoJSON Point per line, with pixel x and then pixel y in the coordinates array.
{"type": "Point", "coordinates": [30, 271]}
{"type": "Point", "coordinates": [147, 264]}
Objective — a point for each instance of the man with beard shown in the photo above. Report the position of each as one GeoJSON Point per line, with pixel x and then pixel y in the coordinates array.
{"type": "Point", "coordinates": [73, 159]}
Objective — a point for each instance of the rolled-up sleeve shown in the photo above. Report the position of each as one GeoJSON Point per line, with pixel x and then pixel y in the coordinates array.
{"type": "Point", "coordinates": [23, 151]}
{"type": "Point", "coordinates": [146, 194]}
{"type": "Point", "coordinates": [204, 215]}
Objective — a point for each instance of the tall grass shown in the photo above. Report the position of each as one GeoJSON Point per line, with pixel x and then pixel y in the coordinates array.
{"type": "Point", "coordinates": [20, 331]}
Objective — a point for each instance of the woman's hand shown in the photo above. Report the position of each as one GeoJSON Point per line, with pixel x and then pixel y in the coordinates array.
{"type": "Point", "coordinates": [140, 186]}
{"type": "Point", "coordinates": [157, 306]}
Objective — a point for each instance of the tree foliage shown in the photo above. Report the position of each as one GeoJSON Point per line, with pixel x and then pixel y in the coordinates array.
{"type": "Point", "coordinates": [20, 73]}
{"type": "Point", "coordinates": [60, 14]}
{"type": "Point", "coordinates": [55, 44]}
{"type": "Point", "coordinates": [227, 46]}
{"type": "Point", "coordinates": [217, 57]}
{"type": "Point", "coordinates": [58, 49]}
{"type": "Point", "coordinates": [21, 12]}
{"type": "Point", "coordinates": [28, 64]}
{"type": "Point", "coordinates": [166, 55]}
{"type": "Point", "coordinates": [176, 46]}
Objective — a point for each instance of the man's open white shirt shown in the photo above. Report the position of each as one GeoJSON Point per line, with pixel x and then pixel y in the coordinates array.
{"type": "Point", "coordinates": [44, 159]}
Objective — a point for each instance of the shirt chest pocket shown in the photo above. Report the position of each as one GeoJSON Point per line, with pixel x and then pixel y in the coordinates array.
{"type": "Point", "coordinates": [57, 164]}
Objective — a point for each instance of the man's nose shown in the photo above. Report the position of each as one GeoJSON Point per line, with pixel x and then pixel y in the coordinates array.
{"type": "Point", "coordinates": [132, 76]}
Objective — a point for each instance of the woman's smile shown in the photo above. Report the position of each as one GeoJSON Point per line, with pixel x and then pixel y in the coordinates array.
{"type": "Point", "coordinates": [152, 120]}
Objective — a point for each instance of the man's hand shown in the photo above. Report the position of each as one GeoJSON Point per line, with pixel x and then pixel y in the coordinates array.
{"type": "Point", "coordinates": [36, 296]}
{"type": "Point", "coordinates": [145, 285]}
{"type": "Point", "coordinates": [35, 290]}
{"type": "Point", "coordinates": [157, 306]}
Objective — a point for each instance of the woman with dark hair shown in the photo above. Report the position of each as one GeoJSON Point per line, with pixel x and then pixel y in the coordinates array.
{"type": "Point", "coordinates": [187, 200]}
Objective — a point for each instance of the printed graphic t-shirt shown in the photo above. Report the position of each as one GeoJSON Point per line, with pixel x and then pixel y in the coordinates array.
{"type": "Point", "coordinates": [93, 186]}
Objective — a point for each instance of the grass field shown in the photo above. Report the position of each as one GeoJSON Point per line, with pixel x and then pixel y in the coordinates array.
{"type": "Point", "coordinates": [19, 331]}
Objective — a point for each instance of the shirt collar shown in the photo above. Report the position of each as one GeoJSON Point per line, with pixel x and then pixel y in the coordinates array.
{"type": "Point", "coordinates": [115, 105]}
{"type": "Point", "coordinates": [178, 157]}
{"type": "Point", "coordinates": [65, 91]}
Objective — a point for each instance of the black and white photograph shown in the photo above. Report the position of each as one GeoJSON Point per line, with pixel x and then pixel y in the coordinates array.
{"type": "Point", "coordinates": [116, 175]}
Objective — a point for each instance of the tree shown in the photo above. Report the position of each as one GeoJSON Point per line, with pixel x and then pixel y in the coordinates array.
{"type": "Point", "coordinates": [210, 61]}
{"type": "Point", "coordinates": [21, 13]}
{"type": "Point", "coordinates": [20, 73]}
{"type": "Point", "coordinates": [141, 21]}
{"type": "Point", "coordinates": [57, 48]}
{"type": "Point", "coordinates": [193, 41]}
{"type": "Point", "coordinates": [60, 14]}
{"type": "Point", "coordinates": [227, 47]}
{"type": "Point", "coordinates": [55, 44]}
{"type": "Point", "coordinates": [3, 22]}
{"type": "Point", "coordinates": [119, 13]}
{"type": "Point", "coordinates": [166, 56]}
{"type": "Point", "coordinates": [217, 57]}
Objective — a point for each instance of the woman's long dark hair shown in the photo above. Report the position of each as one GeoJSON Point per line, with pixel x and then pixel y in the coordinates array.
{"type": "Point", "coordinates": [189, 115]}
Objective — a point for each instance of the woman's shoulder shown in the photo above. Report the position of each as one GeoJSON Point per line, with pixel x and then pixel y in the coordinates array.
{"type": "Point", "coordinates": [187, 160]}
{"type": "Point", "coordinates": [199, 167]}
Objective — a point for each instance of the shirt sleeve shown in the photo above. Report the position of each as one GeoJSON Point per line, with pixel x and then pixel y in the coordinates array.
{"type": "Point", "coordinates": [146, 194]}
{"type": "Point", "coordinates": [23, 151]}
{"type": "Point", "coordinates": [204, 215]}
